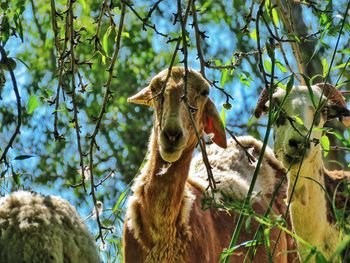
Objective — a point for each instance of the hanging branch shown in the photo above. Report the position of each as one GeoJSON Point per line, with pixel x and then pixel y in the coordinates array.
{"type": "Point", "coordinates": [183, 19]}
{"type": "Point", "coordinates": [198, 35]}
{"type": "Point", "coordinates": [95, 37]}
{"type": "Point", "coordinates": [75, 107]}
{"type": "Point", "coordinates": [5, 60]}
{"type": "Point", "coordinates": [55, 28]}
{"type": "Point", "coordinates": [203, 63]}
{"type": "Point", "coordinates": [106, 97]}
{"type": "Point", "coordinates": [62, 55]}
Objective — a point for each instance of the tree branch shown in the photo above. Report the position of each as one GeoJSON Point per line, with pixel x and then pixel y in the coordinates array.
{"type": "Point", "coordinates": [5, 60]}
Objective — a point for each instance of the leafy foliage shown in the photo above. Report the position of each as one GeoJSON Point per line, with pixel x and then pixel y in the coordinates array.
{"type": "Point", "coordinates": [62, 54]}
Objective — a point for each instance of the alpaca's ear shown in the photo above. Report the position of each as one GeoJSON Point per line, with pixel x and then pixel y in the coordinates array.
{"type": "Point", "coordinates": [143, 97]}
{"type": "Point", "coordinates": [213, 124]}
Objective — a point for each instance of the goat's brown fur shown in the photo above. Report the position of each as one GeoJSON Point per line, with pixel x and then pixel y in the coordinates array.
{"type": "Point", "coordinates": [164, 220]}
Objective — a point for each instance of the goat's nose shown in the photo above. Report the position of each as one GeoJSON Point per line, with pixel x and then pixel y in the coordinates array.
{"type": "Point", "coordinates": [294, 143]}
{"type": "Point", "coordinates": [172, 135]}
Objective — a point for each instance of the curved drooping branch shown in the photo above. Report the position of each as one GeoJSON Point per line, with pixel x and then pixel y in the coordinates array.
{"type": "Point", "coordinates": [5, 60]}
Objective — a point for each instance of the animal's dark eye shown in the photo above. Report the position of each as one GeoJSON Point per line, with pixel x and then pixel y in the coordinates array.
{"type": "Point", "coordinates": [281, 119]}
{"type": "Point", "coordinates": [205, 92]}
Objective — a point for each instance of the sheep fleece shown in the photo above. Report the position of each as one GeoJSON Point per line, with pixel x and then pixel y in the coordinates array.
{"type": "Point", "coordinates": [36, 228]}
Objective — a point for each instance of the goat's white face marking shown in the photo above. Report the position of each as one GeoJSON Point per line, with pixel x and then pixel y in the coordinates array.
{"type": "Point", "coordinates": [175, 131]}
{"type": "Point", "coordinates": [290, 136]}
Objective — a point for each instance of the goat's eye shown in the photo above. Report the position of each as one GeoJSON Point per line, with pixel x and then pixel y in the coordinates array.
{"type": "Point", "coordinates": [281, 119]}
{"type": "Point", "coordinates": [335, 111]}
{"type": "Point", "coordinates": [205, 93]}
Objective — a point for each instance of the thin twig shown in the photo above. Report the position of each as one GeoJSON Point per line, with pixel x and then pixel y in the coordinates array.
{"type": "Point", "coordinates": [62, 58]}
{"type": "Point", "coordinates": [75, 107]}
{"type": "Point", "coordinates": [151, 10]}
{"type": "Point", "coordinates": [97, 43]}
{"type": "Point", "coordinates": [106, 97]}
{"type": "Point", "coordinates": [198, 39]}
{"type": "Point", "coordinates": [144, 20]}
{"type": "Point", "coordinates": [55, 28]}
{"type": "Point", "coordinates": [104, 179]}
{"type": "Point", "coordinates": [250, 157]}
{"type": "Point", "coordinates": [5, 60]}
{"type": "Point", "coordinates": [183, 19]}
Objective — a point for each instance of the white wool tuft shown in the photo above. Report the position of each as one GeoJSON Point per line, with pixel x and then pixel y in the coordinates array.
{"type": "Point", "coordinates": [36, 228]}
{"type": "Point", "coordinates": [233, 172]}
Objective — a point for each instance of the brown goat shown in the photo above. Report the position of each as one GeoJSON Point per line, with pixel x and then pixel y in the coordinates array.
{"type": "Point", "coordinates": [164, 220]}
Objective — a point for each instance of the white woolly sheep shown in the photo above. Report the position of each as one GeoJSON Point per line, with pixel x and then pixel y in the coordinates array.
{"type": "Point", "coordinates": [36, 228]}
{"type": "Point", "coordinates": [233, 171]}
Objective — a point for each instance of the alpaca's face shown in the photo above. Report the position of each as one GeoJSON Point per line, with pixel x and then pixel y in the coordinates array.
{"type": "Point", "coordinates": [297, 114]}
{"type": "Point", "coordinates": [174, 110]}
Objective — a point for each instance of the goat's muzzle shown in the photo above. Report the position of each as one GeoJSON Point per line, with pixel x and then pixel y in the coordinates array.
{"type": "Point", "coordinates": [172, 136]}
{"type": "Point", "coordinates": [295, 149]}
{"type": "Point", "coordinates": [172, 142]}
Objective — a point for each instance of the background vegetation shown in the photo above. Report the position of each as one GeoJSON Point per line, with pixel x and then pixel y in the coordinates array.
{"type": "Point", "coordinates": [67, 68]}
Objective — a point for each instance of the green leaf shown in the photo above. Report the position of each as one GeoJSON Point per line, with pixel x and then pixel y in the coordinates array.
{"type": "Point", "coordinates": [253, 35]}
{"type": "Point", "coordinates": [324, 67]}
{"type": "Point", "coordinates": [245, 79]}
{"type": "Point", "coordinates": [343, 65]}
{"type": "Point", "coordinates": [120, 200]}
{"type": "Point", "coordinates": [267, 239]}
{"type": "Point", "coordinates": [83, 4]}
{"type": "Point", "coordinates": [223, 77]}
{"type": "Point", "coordinates": [275, 16]}
{"type": "Point", "coordinates": [2, 174]}
{"type": "Point", "coordinates": [105, 39]}
{"type": "Point", "coordinates": [290, 84]}
{"type": "Point", "coordinates": [217, 62]}
{"type": "Point", "coordinates": [125, 34]}
{"type": "Point", "coordinates": [4, 5]}
{"type": "Point", "coordinates": [311, 93]}
{"type": "Point", "coordinates": [298, 120]}
{"type": "Point", "coordinates": [15, 176]}
{"type": "Point", "coordinates": [324, 141]}
{"type": "Point", "coordinates": [248, 224]}
{"type": "Point", "coordinates": [344, 51]}
{"type": "Point", "coordinates": [33, 103]}
{"type": "Point", "coordinates": [281, 67]}
{"type": "Point", "coordinates": [223, 116]}
{"type": "Point", "coordinates": [270, 51]}
{"type": "Point", "coordinates": [320, 258]}
{"type": "Point", "coordinates": [267, 65]}
{"type": "Point", "coordinates": [23, 157]}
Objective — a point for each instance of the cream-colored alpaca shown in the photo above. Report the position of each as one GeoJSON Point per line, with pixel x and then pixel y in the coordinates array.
{"type": "Point", "coordinates": [311, 212]}
{"type": "Point", "coordinates": [164, 220]}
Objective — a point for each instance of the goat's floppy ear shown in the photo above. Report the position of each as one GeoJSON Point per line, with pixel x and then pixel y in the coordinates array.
{"type": "Point", "coordinates": [143, 97]}
{"type": "Point", "coordinates": [213, 124]}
